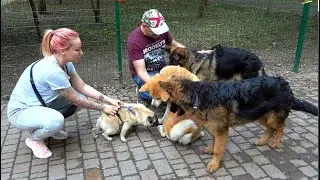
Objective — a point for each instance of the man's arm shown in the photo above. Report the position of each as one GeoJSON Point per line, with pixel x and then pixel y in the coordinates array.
{"type": "Point", "coordinates": [140, 68]}
{"type": "Point", "coordinates": [176, 43]}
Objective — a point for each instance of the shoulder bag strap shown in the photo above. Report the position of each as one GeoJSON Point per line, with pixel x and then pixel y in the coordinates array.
{"type": "Point", "coordinates": [65, 66]}
{"type": "Point", "coordinates": [34, 86]}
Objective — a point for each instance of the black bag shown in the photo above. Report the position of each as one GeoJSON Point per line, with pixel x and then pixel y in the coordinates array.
{"type": "Point", "coordinates": [67, 110]}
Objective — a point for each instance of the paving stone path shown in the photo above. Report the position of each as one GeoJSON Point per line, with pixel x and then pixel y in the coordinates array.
{"type": "Point", "coordinates": [146, 155]}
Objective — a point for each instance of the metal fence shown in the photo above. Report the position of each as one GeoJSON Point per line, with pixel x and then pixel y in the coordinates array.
{"type": "Point", "coordinates": [268, 28]}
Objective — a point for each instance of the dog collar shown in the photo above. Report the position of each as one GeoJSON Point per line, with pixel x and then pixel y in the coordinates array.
{"type": "Point", "coordinates": [129, 109]}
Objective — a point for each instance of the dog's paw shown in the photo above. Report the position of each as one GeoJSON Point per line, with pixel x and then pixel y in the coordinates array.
{"type": "Point", "coordinates": [208, 150]}
{"type": "Point", "coordinates": [160, 129]}
{"type": "Point", "coordinates": [123, 139]}
{"type": "Point", "coordinates": [107, 137]}
{"type": "Point", "coordinates": [161, 120]}
{"type": "Point", "coordinates": [213, 165]}
{"type": "Point", "coordinates": [94, 134]}
{"type": "Point", "coordinates": [201, 133]}
{"type": "Point", "coordinates": [274, 145]}
{"type": "Point", "coordinates": [261, 142]}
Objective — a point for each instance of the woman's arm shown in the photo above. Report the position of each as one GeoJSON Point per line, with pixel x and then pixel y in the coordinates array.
{"type": "Point", "coordinates": [89, 91]}
{"type": "Point", "coordinates": [71, 95]}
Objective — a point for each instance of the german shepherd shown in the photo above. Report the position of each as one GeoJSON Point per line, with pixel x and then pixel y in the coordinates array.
{"type": "Point", "coordinates": [217, 64]}
{"type": "Point", "coordinates": [220, 105]}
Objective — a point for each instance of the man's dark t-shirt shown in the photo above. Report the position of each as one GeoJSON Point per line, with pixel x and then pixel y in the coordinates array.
{"type": "Point", "coordinates": [150, 49]}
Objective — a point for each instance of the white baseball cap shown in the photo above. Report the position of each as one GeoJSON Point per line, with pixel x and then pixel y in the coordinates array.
{"type": "Point", "coordinates": [154, 19]}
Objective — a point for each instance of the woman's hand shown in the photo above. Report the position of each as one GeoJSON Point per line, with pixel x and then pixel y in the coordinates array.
{"type": "Point", "coordinates": [110, 109]}
{"type": "Point", "coordinates": [115, 102]}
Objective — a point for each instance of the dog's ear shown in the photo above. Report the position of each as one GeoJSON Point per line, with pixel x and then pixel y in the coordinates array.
{"type": "Point", "coordinates": [164, 96]}
{"type": "Point", "coordinates": [174, 57]}
{"type": "Point", "coordinates": [183, 52]}
{"type": "Point", "coordinates": [144, 88]}
{"type": "Point", "coordinates": [163, 85]}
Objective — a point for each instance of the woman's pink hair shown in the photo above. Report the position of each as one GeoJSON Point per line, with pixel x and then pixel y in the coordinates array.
{"type": "Point", "coordinates": [55, 40]}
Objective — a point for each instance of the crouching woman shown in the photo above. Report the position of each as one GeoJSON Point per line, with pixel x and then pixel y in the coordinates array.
{"type": "Point", "coordinates": [50, 90]}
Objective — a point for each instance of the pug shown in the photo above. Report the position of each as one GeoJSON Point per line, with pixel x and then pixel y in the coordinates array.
{"type": "Point", "coordinates": [130, 114]}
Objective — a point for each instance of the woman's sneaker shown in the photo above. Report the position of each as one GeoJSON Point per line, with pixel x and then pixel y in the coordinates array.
{"type": "Point", "coordinates": [60, 135]}
{"type": "Point", "coordinates": [39, 149]}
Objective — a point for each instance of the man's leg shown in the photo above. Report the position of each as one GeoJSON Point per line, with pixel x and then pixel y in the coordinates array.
{"type": "Point", "coordinates": [145, 96]}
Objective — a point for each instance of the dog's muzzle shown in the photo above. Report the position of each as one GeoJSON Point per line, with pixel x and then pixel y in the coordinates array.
{"type": "Point", "coordinates": [156, 102]}
{"type": "Point", "coordinates": [153, 120]}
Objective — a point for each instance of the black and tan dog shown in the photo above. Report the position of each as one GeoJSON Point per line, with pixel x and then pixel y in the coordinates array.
{"type": "Point", "coordinates": [220, 105]}
{"type": "Point", "coordinates": [217, 64]}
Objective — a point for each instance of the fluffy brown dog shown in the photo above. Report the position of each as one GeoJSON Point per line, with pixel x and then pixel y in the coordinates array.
{"type": "Point", "coordinates": [185, 130]}
{"type": "Point", "coordinates": [218, 106]}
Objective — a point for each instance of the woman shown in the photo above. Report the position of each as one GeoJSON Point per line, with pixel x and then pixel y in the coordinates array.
{"type": "Point", "coordinates": [60, 89]}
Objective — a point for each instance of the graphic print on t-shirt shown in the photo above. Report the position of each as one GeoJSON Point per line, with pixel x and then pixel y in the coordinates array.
{"type": "Point", "coordinates": [154, 56]}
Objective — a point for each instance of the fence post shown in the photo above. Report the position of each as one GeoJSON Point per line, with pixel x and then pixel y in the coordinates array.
{"type": "Point", "coordinates": [303, 27]}
{"type": "Point", "coordinates": [117, 14]}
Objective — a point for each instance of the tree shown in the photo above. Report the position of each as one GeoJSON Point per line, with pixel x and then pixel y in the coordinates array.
{"type": "Point", "coordinates": [35, 18]}
{"type": "Point", "coordinates": [96, 10]}
{"type": "Point", "coordinates": [42, 7]}
{"type": "Point", "coordinates": [202, 6]}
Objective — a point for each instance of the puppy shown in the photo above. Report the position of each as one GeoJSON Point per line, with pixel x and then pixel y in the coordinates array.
{"type": "Point", "coordinates": [184, 131]}
{"type": "Point", "coordinates": [129, 115]}
{"type": "Point", "coordinates": [155, 90]}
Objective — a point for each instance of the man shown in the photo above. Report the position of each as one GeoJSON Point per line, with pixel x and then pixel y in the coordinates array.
{"type": "Point", "coordinates": [145, 48]}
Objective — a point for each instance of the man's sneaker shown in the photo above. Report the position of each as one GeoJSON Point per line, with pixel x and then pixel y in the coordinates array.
{"type": "Point", "coordinates": [60, 135]}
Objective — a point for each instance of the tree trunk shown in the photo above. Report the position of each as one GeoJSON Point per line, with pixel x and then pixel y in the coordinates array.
{"type": "Point", "coordinates": [42, 7]}
{"type": "Point", "coordinates": [269, 6]}
{"type": "Point", "coordinates": [35, 18]}
{"type": "Point", "coordinates": [96, 10]}
{"type": "Point", "coordinates": [202, 5]}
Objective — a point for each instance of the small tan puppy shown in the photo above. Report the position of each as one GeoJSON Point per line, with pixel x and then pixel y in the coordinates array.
{"type": "Point", "coordinates": [129, 115]}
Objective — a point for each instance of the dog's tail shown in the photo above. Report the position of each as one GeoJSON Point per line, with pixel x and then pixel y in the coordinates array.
{"type": "Point", "coordinates": [301, 105]}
